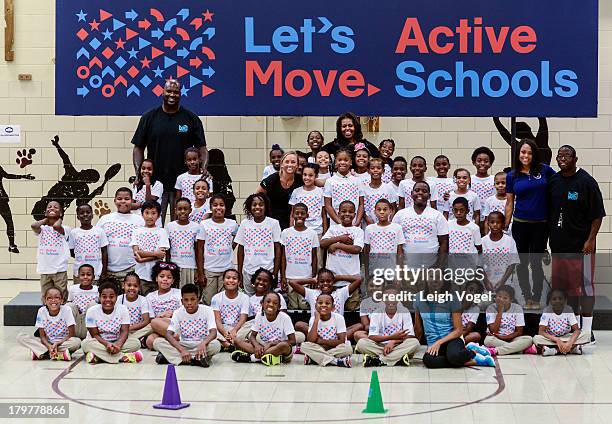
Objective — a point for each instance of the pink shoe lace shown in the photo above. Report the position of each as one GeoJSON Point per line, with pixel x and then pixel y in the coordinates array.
{"type": "Point", "coordinates": [531, 350]}
{"type": "Point", "coordinates": [492, 351]}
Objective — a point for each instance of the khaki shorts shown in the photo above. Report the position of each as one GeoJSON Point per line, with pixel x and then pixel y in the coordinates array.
{"type": "Point", "coordinates": [187, 276]}
{"type": "Point", "coordinates": [59, 280]}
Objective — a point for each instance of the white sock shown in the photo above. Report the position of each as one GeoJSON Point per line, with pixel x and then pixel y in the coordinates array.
{"type": "Point", "coordinates": [578, 319]}
{"type": "Point", "coordinates": [335, 361]}
{"type": "Point", "coordinates": [587, 323]}
{"type": "Point", "coordinates": [253, 358]}
{"type": "Point", "coordinates": [549, 351]}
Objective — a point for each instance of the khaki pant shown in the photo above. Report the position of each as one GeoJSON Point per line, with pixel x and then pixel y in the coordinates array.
{"type": "Point", "coordinates": [370, 347]}
{"type": "Point", "coordinates": [517, 345]}
{"type": "Point", "coordinates": [119, 276]}
{"type": "Point", "coordinates": [92, 345]}
{"type": "Point", "coordinates": [353, 302]}
{"type": "Point", "coordinates": [147, 287]}
{"type": "Point", "coordinates": [246, 282]}
{"type": "Point", "coordinates": [214, 284]}
{"type": "Point", "coordinates": [80, 330]}
{"type": "Point", "coordinates": [583, 338]}
{"type": "Point", "coordinates": [59, 280]}
{"type": "Point", "coordinates": [36, 346]}
{"type": "Point", "coordinates": [144, 331]}
{"type": "Point", "coordinates": [187, 276]}
{"type": "Point", "coordinates": [243, 333]}
{"type": "Point", "coordinates": [296, 300]}
{"type": "Point", "coordinates": [173, 356]}
{"type": "Point", "coordinates": [323, 357]}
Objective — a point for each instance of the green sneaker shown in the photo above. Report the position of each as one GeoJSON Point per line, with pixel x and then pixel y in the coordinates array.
{"type": "Point", "coordinates": [271, 360]}
{"type": "Point", "coordinates": [406, 360]}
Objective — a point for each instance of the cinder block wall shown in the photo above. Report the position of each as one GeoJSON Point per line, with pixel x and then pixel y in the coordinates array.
{"type": "Point", "coordinates": [96, 142]}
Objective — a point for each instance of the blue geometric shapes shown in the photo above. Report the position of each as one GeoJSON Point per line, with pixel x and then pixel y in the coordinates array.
{"type": "Point", "coordinates": [183, 13]}
{"type": "Point", "coordinates": [142, 43]}
{"type": "Point", "coordinates": [210, 32]}
{"type": "Point", "coordinates": [81, 15]}
{"type": "Point", "coordinates": [131, 14]}
{"type": "Point", "coordinates": [120, 62]}
{"type": "Point", "coordinates": [208, 72]}
{"type": "Point", "coordinates": [193, 81]}
{"type": "Point", "coordinates": [170, 24]}
{"type": "Point", "coordinates": [132, 52]}
{"type": "Point", "coordinates": [117, 24]}
{"type": "Point", "coordinates": [182, 52]}
{"type": "Point", "coordinates": [184, 91]}
{"type": "Point", "coordinates": [107, 34]}
{"type": "Point", "coordinates": [168, 62]}
{"type": "Point", "coordinates": [158, 72]}
{"type": "Point", "coordinates": [157, 33]}
{"type": "Point", "coordinates": [95, 81]}
{"type": "Point", "coordinates": [82, 52]}
{"type": "Point", "coordinates": [108, 71]}
{"type": "Point", "coordinates": [145, 81]}
{"type": "Point", "coordinates": [195, 43]}
{"type": "Point", "coordinates": [133, 90]}
{"type": "Point", "coordinates": [95, 43]}
{"type": "Point", "coordinates": [82, 91]}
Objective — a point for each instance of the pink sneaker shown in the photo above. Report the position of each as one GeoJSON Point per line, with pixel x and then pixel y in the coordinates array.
{"type": "Point", "coordinates": [297, 350]}
{"type": "Point", "coordinates": [531, 350]}
{"type": "Point", "coordinates": [492, 351]}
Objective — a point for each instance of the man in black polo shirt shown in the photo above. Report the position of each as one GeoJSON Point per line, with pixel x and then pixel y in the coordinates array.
{"type": "Point", "coordinates": [576, 211]}
{"type": "Point", "coordinates": [166, 132]}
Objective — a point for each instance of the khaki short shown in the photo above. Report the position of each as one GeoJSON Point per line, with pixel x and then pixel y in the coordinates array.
{"type": "Point", "coordinates": [59, 280]}
{"type": "Point", "coordinates": [188, 276]}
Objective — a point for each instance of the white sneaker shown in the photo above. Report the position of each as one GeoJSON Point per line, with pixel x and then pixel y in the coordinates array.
{"type": "Point", "coordinates": [576, 350]}
{"type": "Point", "coordinates": [549, 351]}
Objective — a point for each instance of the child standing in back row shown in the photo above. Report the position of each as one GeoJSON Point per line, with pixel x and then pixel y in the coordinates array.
{"type": "Point", "coordinates": [315, 141]}
{"type": "Point", "coordinates": [200, 209]}
{"type": "Point", "coordinates": [342, 187]}
{"type": "Point", "coordinates": [183, 235]}
{"type": "Point", "coordinates": [184, 182]}
{"type": "Point", "coordinates": [53, 250]}
{"type": "Point", "coordinates": [386, 149]}
{"type": "Point", "coordinates": [482, 183]}
{"type": "Point", "coordinates": [443, 183]}
{"type": "Point", "coordinates": [88, 245]}
{"type": "Point", "coordinates": [375, 191]}
{"type": "Point", "coordinates": [149, 245]}
{"type": "Point", "coordinates": [497, 202]}
{"type": "Point", "coordinates": [276, 154]}
{"type": "Point", "coordinates": [462, 180]}
{"type": "Point", "coordinates": [418, 168]}
{"type": "Point", "coordinates": [147, 188]}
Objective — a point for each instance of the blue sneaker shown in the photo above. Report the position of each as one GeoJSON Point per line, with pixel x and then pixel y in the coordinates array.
{"type": "Point", "coordinates": [484, 361]}
{"type": "Point", "coordinates": [474, 347]}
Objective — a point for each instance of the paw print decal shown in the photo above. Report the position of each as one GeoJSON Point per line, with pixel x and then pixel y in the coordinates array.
{"type": "Point", "coordinates": [24, 157]}
{"type": "Point", "coordinates": [101, 208]}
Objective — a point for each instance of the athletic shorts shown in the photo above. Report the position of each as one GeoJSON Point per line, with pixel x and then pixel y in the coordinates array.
{"type": "Point", "coordinates": [574, 274]}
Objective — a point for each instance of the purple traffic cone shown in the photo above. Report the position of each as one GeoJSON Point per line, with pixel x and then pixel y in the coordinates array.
{"type": "Point", "coordinates": [171, 398]}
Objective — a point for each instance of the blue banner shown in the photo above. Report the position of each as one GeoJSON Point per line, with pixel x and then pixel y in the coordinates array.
{"type": "Point", "coordinates": [316, 57]}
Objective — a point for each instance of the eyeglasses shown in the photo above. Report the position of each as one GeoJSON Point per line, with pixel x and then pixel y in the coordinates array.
{"type": "Point", "coordinates": [564, 156]}
{"type": "Point", "coordinates": [166, 265]}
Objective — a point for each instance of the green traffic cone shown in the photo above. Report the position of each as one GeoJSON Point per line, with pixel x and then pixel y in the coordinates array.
{"type": "Point", "coordinates": [375, 402]}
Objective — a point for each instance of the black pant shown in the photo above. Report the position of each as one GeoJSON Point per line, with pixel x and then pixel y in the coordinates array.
{"type": "Point", "coordinates": [167, 200]}
{"type": "Point", "coordinates": [452, 354]}
{"type": "Point", "coordinates": [531, 239]}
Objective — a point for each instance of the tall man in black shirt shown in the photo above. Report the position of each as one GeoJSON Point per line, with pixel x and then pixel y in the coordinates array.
{"type": "Point", "coordinates": [576, 211]}
{"type": "Point", "coordinates": [166, 132]}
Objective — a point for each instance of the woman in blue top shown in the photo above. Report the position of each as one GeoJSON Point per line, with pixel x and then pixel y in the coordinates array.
{"type": "Point", "coordinates": [441, 322]}
{"type": "Point", "coordinates": [527, 209]}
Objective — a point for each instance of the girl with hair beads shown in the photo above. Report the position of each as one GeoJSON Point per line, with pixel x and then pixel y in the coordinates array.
{"type": "Point", "coordinates": [138, 308]}
{"type": "Point", "coordinates": [56, 329]}
{"type": "Point", "coordinates": [315, 142]}
{"type": "Point", "coordinates": [184, 182]}
{"type": "Point", "coordinates": [147, 187]}
{"type": "Point", "coordinates": [558, 330]}
{"type": "Point", "coordinates": [387, 148]}
{"type": "Point", "coordinates": [362, 161]}
{"type": "Point", "coordinates": [258, 240]}
{"type": "Point", "coordinates": [462, 180]}
{"type": "Point", "coordinates": [53, 250]}
{"type": "Point", "coordinates": [271, 338]}
{"type": "Point", "coordinates": [165, 300]}
{"type": "Point", "coordinates": [505, 324]}
{"type": "Point", "coordinates": [231, 308]}
{"type": "Point", "coordinates": [443, 183]}
{"type": "Point", "coordinates": [201, 205]}
{"type": "Point", "coordinates": [81, 297]}
{"type": "Point", "coordinates": [276, 153]}
{"type": "Point", "coordinates": [341, 187]}
{"type": "Point", "coordinates": [214, 248]}
{"type": "Point", "coordinates": [109, 324]}
{"type": "Point", "coordinates": [327, 341]}
{"type": "Point", "coordinates": [418, 168]}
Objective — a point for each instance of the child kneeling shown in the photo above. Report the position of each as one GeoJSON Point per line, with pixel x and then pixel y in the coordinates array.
{"type": "Point", "coordinates": [195, 326]}
{"type": "Point", "coordinates": [271, 337]}
{"type": "Point", "coordinates": [109, 327]}
{"type": "Point", "coordinates": [391, 336]}
{"type": "Point", "coordinates": [326, 340]}
{"type": "Point", "coordinates": [56, 327]}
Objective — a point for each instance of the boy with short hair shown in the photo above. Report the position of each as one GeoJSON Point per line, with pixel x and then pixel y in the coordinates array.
{"type": "Point", "coordinates": [53, 250]}
{"type": "Point", "coordinates": [194, 323]}
{"type": "Point", "coordinates": [88, 245]}
{"type": "Point", "coordinates": [299, 254]}
{"type": "Point", "coordinates": [118, 228]}
{"type": "Point", "coordinates": [183, 235]}
{"type": "Point", "coordinates": [149, 245]}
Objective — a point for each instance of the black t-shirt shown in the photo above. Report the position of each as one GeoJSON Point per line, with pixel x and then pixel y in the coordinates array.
{"type": "Point", "coordinates": [574, 203]}
{"type": "Point", "coordinates": [166, 137]}
{"type": "Point", "coordinates": [280, 208]}
{"type": "Point", "coordinates": [333, 147]}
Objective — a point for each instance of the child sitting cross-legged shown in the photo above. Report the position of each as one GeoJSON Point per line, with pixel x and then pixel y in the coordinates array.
{"type": "Point", "coordinates": [194, 324]}
{"type": "Point", "coordinates": [271, 338]}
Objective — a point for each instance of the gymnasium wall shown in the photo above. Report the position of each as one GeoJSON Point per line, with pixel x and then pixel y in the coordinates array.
{"type": "Point", "coordinates": [97, 142]}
